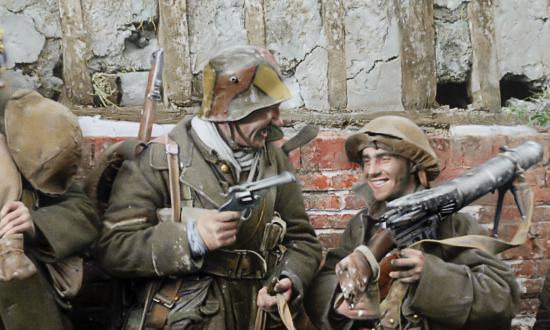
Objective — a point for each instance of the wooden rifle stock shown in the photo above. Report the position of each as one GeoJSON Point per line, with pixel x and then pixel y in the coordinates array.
{"type": "Point", "coordinates": [380, 244]}
{"type": "Point", "coordinates": [152, 96]}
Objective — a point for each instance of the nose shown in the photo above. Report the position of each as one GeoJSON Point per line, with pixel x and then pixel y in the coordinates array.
{"type": "Point", "coordinates": [276, 119]}
{"type": "Point", "coordinates": [371, 170]}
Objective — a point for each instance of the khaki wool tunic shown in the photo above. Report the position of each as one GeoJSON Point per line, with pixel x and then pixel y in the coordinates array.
{"type": "Point", "coordinates": [459, 288]}
{"type": "Point", "coordinates": [136, 245]}
{"type": "Point", "coordinates": [65, 225]}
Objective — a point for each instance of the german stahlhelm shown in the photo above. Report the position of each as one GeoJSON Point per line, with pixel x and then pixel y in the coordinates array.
{"type": "Point", "coordinates": [44, 139]}
{"type": "Point", "coordinates": [238, 81]}
{"type": "Point", "coordinates": [398, 135]}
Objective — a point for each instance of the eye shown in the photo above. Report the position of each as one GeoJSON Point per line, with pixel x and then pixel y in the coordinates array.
{"type": "Point", "coordinates": [386, 158]}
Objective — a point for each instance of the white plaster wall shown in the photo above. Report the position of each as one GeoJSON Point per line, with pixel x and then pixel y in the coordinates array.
{"type": "Point", "coordinates": [372, 55]}
{"type": "Point", "coordinates": [522, 32]}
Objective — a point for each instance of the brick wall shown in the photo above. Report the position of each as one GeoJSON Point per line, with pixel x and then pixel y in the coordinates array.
{"type": "Point", "coordinates": [327, 178]}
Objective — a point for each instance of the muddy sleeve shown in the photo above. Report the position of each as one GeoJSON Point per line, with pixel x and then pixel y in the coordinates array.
{"type": "Point", "coordinates": [68, 223]}
{"type": "Point", "coordinates": [465, 288]}
{"type": "Point", "coordinates": [133, 242]}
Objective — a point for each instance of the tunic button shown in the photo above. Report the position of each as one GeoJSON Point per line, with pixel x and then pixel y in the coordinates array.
{"type": "Point", "coordinates": [224, 168]}
{"type": "Point", "coordinates": [416, 317]}
{"type": "Point", "coordinates": [392, 321]}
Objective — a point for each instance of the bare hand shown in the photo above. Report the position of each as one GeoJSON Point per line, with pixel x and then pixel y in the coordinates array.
{"type": "Point", "coordinates": [267, 302]}
{"type": "Point", "coordinates": [353, 274]}
{"type": "Point", "coordinates": [411, 265]}
{"type": "Point", "coordinates": [16, 219]}
{"type": "Point", "coordinates": [218, 229]}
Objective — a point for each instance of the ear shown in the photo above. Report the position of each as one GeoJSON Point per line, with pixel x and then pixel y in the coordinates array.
{"type": "Point", "coordinates": [421, 174]}
{"type": "Point", "coordinates": [423, 178]}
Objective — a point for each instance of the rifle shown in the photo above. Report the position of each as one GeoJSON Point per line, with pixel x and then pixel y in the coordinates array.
{"type": "Point", "coordinates": [244, 197]}
{"type": "Point", "coordinates": [415, 217]}
{"type": "Point", "coordinates": [152, 96]}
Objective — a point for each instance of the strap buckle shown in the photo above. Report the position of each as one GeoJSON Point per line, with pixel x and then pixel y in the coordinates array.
{"type": "Point", "coordinates": [162, 300]}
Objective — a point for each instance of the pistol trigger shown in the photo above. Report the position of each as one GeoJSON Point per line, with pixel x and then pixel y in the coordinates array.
{"type": "Point", "coordinates": [498, 211]}
{"type": "Point", "coordinates": [246, 213]}
{"type": "Point", "coordinates": [519, 204]}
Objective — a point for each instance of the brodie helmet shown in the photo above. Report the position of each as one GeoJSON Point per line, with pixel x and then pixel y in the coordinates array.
{"type": "Point", "coordinates": [400, 136]}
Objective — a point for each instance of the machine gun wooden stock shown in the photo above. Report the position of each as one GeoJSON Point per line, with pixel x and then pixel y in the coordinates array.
{"type": "Point", "coordinates": [415, 217]}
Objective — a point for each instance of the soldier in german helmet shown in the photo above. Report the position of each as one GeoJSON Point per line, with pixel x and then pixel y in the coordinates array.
{"type": "Point", "coordinates": [47, 220]}
{"type": "Point", "coordinates": [210, 270]}
{"type": "Point", "coordinates": [435, 288]}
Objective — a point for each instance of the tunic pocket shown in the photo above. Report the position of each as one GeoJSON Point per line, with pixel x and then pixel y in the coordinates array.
{"type": "Point", "coordinates": [193, 308]}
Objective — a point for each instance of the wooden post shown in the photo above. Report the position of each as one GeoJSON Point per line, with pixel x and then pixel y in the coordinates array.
{"type": "Point", "coordinates": [484, 81]}
{"type": "Point", "coordinates": [77, 78]}
{"type": "Point", "coordinates": [333, 25]}
{"type": "Point", "coordinates": [174, 39]}
{"type": "Point", "coordinates": [418, 68]}
{"type": "Point", "coordinates": [254, 22]}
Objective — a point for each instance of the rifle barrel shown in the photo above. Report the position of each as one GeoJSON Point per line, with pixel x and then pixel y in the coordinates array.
{"type": "Point", "coordinates": [152, 96]}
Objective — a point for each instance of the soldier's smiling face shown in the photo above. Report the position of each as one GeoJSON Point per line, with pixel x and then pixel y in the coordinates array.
{"type": "Point", "coordinates": [254, 128]}
{"type": "Point", "coordinates": [387, 174]}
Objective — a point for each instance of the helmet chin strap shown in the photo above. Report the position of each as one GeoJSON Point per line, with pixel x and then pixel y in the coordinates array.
{"type": "Point", "coordinates": [235, 129]}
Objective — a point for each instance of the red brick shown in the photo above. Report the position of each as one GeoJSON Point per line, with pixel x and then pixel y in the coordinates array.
{"type": "Point", "coordinates": [344, 180]}
{"type": "Point", "coordinates": [524, 251]}
{"type": "Point", "coordinates": [529, 306]}
{"type": "Point", "coordinates": [540, 229]}
{"type": "Point", "coordinates": [541, 213]}
{"type": "Point", "coordinates": [330, 240]}
{"type": "Point", "coordinates": [530, 287]}
{"type": "Point", "coordinates": [329, 221]}
{"type": "Point", "coordinates": [353, 202]}
{"type": "Point", "coordinates": [530, 268]}
{"type": "Point", "coordinates": [321, 201]}
{"type": "Point", "coordinates": [449, 174]}
{"type": "Point", "coordinates": [294, 158]}
{"type": "Point", "coordinates": [542, 194]}
{"type": "Point", "coordinates": [442, 148]}
{"type": "Point", "coordinates": [314, 182]}
{"type": "Point", "coordinates": [544, 140]}
{"type": "Point", "coordinates": [326, 152]}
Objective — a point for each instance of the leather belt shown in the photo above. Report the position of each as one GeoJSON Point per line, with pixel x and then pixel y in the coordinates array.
{"type": "Point", "coordinates": [235, 264]}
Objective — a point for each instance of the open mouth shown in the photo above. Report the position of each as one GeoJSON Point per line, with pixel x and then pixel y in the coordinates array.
{"type": "Point", "coordinates": [378, 183]}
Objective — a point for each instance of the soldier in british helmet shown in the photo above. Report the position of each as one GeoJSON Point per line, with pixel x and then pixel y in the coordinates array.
{"type": "Point", "coordinates": [434, 286]}
{"type": "Point", "coordinates": [209, 269]}
{"type": "Point", "coordinates": [45, 219]}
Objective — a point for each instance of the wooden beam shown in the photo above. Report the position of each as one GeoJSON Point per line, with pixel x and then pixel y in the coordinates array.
{"type": "Point", "coordinates": [174, 39]}
{"type": "Point", "coordinates": [76, 53]}
{"type": "Point", "coordinates": [254, 22]}
{"type": "Point", "coordinates": [484, 81]}
{"type": "Point", "coordinates": [333, 25]}
{"type": "Point", "coordinates": [418, 68]}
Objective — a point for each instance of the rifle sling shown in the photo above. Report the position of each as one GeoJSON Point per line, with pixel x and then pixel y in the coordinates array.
{"type": "Point", "coordinates": [172, 152]}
